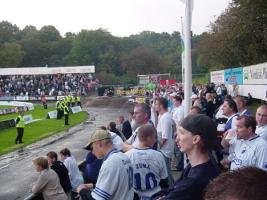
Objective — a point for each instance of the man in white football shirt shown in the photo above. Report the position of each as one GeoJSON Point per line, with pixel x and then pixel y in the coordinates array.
{"type": "Point", "coordinates": [178, 110]}
{"type": "Point", "coordinates": [150, 172]}
{"type": "Point", "coordinates": [165, 129]}
{"type": "Point", "coordinates": [115, 180]}
{"type": "Point", "coordinates": [261, 118]}
{"type": "Point", "coordinates": [249, 149]}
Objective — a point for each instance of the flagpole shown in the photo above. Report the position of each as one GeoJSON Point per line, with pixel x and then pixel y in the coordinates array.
{"type": "Point", "coordinates": [188, 67]}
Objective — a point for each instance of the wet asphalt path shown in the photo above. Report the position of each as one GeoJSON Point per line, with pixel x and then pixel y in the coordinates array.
{"type": "Point", "coordinates": [16, 170]}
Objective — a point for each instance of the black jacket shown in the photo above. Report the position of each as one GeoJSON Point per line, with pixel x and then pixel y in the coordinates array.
{"type": "Point", "coordinates": [63, 175]}
{"type": "Point", "coordinates": [126, 129]}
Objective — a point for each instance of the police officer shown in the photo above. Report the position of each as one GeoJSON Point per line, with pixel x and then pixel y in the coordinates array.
{"type": "Point", "coordinates": [58, 105]}
{"type": "Point", "coordinates": [78, 101]}
{"type": "Point", "coordinates": [20, 124]}
{"type": "Point", "coordinates": [72, 101]}
{"type": "Point", "coordinates": [62, 103]}
{"type": "Point", "coordinates": [66, 114]}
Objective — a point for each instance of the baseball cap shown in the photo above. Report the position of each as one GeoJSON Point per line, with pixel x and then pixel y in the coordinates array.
{"type": "Point", "coordinates": [97, 136]}
{"type": "Point", "coordinates": [199, 124]}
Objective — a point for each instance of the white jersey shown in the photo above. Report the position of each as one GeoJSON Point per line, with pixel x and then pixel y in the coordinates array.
{"type": "Point", "coordinates": [252, 152]}
{"type": "Point", "coordinates": [134, 140]}
{"type": "Point", "coordinates": [115, 180]}
{"type": "Point", "coordinates": [149, 168]}
{"type": "Point", "coordinates": [76, 178]}
{"type": "Point", "coordinates": [178, 114]}
{"type": "Point", "coordinates": [116, 141]}
{"type": "Point", "coordinates": [262, 131]}
{"type": "Point", "coordinates": [165, 130]}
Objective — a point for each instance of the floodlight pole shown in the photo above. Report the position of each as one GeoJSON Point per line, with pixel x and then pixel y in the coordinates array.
{"type": "Point", "coordinates": [188, 65]}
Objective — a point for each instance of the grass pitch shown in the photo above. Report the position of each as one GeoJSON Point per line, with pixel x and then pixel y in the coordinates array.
{"type": "Point", "coordinates": [36, 130]}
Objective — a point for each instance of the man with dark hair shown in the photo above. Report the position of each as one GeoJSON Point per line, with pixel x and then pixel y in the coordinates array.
{"type": "Point", "coordinates": [178, 110]}
{"type": "Point", "coordinates": [166, 129]}
{"type": "Point", "coordinates": [125, 127]}
{"type": "Point", "coordinates": [230, 110]}
{"type": "Point", "coordinates": [248, 148]}
{"type": "Point", "coordinates": [242, 184]}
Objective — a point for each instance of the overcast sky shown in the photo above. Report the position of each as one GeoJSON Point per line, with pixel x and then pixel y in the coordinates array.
{"type": "Point", "coordinates": [120, 17]}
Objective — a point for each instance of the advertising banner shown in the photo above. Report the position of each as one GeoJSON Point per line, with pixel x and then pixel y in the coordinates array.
{"type": "Point", "coordinates": [217, 77]}
{"type": "Point", "coordinates": [7, 124]}
{"type": "Point", "coordinates": [27, 118]}
{"type": "Point", "coordinates": [233, 75]}
{"type": "Point", "coordinates": [255, 74]}
{"type": "Point", "coordinates": [76, 109]}
{"type": "Point", "coordinates": [22, 98]}
{"type": "Point", "coordinates": [47, 70]}
{"type": "Point", "coordinates": [143, 80]}
{"type": "Point", "coordinates": [167, 82]}
{"type": "Point", "coordinates": [131, 92]}
{"type": "Point", "coordinates": [52, 114]}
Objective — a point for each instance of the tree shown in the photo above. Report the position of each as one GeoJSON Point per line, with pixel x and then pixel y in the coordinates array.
{"type": "Point", "coordinates": [8, 32]}
{"type": "Point", "coordinates": [238, 37]}
{"type": "Point", "coordinates": [11, 55]}
{"type": "Point", "coordinates": [49, 34]}
{"type": "Point", "coordinates": [142, 61]}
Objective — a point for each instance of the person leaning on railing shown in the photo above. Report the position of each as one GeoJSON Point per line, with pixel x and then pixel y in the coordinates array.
{"type": "Point", "coordinates": [48, 182]}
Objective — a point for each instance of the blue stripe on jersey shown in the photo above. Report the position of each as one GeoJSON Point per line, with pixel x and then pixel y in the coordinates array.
{"type": "Point", "coordinates": [102, 193]}
{"type": "Point", "coordinates": [255, 137]}
{"type": "Point", "coordinates": [146, 148]}
{"type": "Point", "coordinates": [110, 153]}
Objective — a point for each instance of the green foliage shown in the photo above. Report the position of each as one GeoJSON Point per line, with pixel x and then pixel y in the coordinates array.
{"type": "Point", "coordinates": [11, 54]}
{"type": "Point", "coordinates": [238, 37]}
{"type": "Point", "coordinates": [8, 32]}
{"type": "Point", "coordinates": [200, 80]}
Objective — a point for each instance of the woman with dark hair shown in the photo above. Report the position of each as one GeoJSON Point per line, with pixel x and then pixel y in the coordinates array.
{"type": "Point", "coordinates": [61, 171]}
{"type": "Point", "coordinates": [196, 137]}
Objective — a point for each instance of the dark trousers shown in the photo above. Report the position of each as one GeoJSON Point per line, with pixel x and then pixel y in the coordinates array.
{"type": "Point", "coordinates": [66, 119]}
{"type": "Point", "coordinates": [86, 194]}
{"type": "Point", "coordinates": [74, 196]}
{"type": "Point", "coordinates": [19, 135]}
{"type": "Point", "coordinates": [45, 105]}
{"type": "Point", "coordinates": [58, 114]}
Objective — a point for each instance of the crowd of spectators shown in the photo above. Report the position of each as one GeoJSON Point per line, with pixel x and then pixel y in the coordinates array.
{"type": "Point", "coordinates": [218, 135]}
{"type": "Point", "coordinates": [52, 85]}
